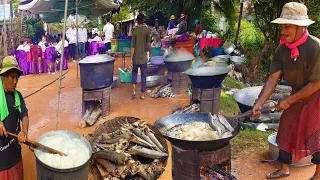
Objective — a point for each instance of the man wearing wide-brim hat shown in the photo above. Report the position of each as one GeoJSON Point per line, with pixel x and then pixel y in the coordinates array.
{"type": "Point", "coordinates": [13, 119]}
{"type": "Point", "coordinates": [297, 58]}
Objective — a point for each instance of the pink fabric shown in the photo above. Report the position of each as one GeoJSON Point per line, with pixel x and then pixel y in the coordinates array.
{"type": "Point", "coordinates": [214, 42]}
{"type": "Point", "coordinates": [294, 46]}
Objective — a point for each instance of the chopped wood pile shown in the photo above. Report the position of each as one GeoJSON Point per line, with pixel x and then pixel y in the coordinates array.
{"type": "Point", "coordinates": [193, 108]}
{"type": "Point", "coordinates": [207, 173]}
{"type": "Point", "coordinates": [162, 91]}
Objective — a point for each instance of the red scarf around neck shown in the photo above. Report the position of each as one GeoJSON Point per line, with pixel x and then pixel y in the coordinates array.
{"type": "Point", "coordinates": [294, 46]}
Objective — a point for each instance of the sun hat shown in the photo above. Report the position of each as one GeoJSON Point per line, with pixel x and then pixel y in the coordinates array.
{"type": "Point", "coordinates": [196, 22]}
{"type": "Point", "coordinates": [294, 13]}
{"type": "Point", "coordinates": [172, 17]}
{"type": "Point", "coordinates": [9, 63]}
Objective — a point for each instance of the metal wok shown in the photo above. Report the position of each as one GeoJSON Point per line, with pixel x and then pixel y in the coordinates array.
{"type": "Point", "coordinates": [177, 63]}
{"type": "Point", "coordinates": [207, 77]}
{"type": "Point", "coordinates": [166, 123]}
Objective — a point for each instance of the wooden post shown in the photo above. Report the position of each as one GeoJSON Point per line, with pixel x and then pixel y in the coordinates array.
{"type": "Point", "coordinates": [11, 26]}
{"type": "Point", "coordinates": [5, 45]}
{"type": "Point", "coordinates": [239, 24]}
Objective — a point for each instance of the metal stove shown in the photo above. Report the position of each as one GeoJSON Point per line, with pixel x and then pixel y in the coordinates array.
{"type": "Point", "coordinates": [209, 99]}
{"type": "Point", "coordinates": [90, 98]}
{"type": "Point", "coordinates": [188, 164]}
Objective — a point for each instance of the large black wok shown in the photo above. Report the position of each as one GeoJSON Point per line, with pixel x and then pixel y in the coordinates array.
{"type": "Point", "coordinates": [166, 123]}
{"type": "Point", "coordinates": [207, 77]}
{"type": "Point", "coordinates": [177, 63]}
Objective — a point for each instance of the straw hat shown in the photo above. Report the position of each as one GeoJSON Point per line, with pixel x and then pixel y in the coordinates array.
{"type": "Point", "coordinates": [9, 63]}
{"type": "Point", "coordinates": [172, 17]}
{"type": "Point", "coordinates": [294, 13]}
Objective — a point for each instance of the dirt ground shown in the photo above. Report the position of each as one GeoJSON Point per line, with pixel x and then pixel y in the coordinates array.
{"type": "Point", "coordinates": [42, 112]}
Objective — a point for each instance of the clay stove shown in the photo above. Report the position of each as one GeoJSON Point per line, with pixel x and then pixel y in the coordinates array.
{"type": "Point", "coordinates": [188, 164]}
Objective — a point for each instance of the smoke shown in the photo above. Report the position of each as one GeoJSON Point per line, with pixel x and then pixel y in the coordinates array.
{"type": "Point", "coordinates": [181, 55]}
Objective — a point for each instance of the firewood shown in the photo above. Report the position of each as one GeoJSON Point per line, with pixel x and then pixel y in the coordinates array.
{"type": "Point", "coordinates": [82, 123]}
{"type": "Point", "coordinates": [94, 116]}
{"type": "Point", "coordinates": [88, 113]}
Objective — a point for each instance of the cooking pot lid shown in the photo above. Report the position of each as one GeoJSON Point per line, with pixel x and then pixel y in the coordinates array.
{"type": "Point", "coordinates": [179, 57]}
{"type": "Point", "coordinates": [96, 59]}
{"type": "Point", "coordinates": [208, 71]}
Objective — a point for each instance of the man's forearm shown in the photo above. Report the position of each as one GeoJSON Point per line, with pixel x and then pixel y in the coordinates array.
{"type": "Point", "coordinates": [150, 50]}
{"type": "Point", "coordinates": [132, 53]}
{"type": "Point", "coordinates": [25, 124]}
{"type": "Point", "coordinates": [269, 87]}
{"type": "Point", "coordinates": [305, 92]}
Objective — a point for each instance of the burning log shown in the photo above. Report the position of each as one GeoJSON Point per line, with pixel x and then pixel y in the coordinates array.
{"type": "Point", "coordinates": [208, 173]}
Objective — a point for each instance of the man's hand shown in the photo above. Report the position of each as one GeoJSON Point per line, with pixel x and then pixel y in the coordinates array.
{"type": "Point", "coordinates": [283, 104]}
{"type": "Point", "coordinates": [22, 137]}
{"type": "Point", "coordinates": [3, 131]}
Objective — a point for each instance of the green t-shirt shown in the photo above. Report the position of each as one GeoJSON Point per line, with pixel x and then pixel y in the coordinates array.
{"type": "Point", "coordinates": [302, 71]}
{"type": "Point", "coordinates": [140, 39]}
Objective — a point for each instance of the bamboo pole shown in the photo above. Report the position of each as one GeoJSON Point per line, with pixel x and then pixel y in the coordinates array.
{"type": "Point", "coordinates": [61, 62]}
{"type": "Point", "coordinates": [11, 26]}
{"type": "Point", "coordinates": [5, 47]}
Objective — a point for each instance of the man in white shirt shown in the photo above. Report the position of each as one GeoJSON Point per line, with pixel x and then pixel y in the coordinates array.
{"type": "Point", "coordinates": [72, 38]}
{"type": "Point", "coordinates": [82, 39]}
{"type": "Point", "coordinates": [108, 31]}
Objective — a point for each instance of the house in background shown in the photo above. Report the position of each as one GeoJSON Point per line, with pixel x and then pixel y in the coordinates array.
{"type": "Point", "coordinates": [126, 26]}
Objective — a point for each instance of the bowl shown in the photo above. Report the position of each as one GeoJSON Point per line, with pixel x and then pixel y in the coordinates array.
{"type": "Point", "coordinates": [237, 60]}
{"type": "Point", "coordinates": [153, 81]}
{"type": "Point", "coordinates": [229, 49]}
{"type": "Point", "coordinates": [274, 152]}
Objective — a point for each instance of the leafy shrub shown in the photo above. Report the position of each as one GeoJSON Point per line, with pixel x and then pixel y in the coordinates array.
{"type": "Point", "coordinates": [250, 36]}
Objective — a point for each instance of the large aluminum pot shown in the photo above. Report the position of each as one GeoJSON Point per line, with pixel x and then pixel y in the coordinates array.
{"type": "Point", "coordinates": [178, 63]}
{"type": "Point", "coordinates": [77, 173]}
{"type": "Point", "coordinates": [96, 72]}
{"type": "Point", "coordinates": [274, 152]}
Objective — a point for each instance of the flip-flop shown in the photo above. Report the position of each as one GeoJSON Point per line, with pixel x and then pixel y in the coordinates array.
{"type": "Point", "coordinates": [142, 98]}
{"type": "Point", "coordinates": [133, 96]}
{"type": "Point", "coordinates": [277, 174]}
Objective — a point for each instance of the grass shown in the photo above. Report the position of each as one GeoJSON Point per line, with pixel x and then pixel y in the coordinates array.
{"type": "Point", "coordinates": [250, 139]}
{"type": "Point", "coordinates": [228, 105]}
{"type": "Point", "coordinates": [230, 82]}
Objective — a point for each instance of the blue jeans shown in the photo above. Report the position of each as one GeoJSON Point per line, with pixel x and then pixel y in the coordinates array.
{"type": "Point", "coordinates": [72, 50]}
{"type": "Point", "coordinates": [107, 46]}
{"type": "Point", "coordinates": [143, 69]}
{"type": "Point", "coordinates": [81, 50]}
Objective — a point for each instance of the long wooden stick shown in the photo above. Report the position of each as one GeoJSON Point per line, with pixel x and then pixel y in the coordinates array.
{"type": "Point", "coordinates": [37, 145]}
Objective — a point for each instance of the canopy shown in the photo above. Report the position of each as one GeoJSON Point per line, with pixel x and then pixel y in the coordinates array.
{"type": "Point", "coordinates": [53, 10]}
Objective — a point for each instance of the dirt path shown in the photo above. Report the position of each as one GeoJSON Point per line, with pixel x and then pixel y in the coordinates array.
{"type": "Point", "coordinates": [42, 112]}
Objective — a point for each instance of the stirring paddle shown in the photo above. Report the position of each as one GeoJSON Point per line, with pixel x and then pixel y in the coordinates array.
{"type": "Point", "coordinates": [38, 146]}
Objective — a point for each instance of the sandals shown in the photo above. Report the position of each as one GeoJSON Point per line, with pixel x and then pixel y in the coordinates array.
{"type": "Point", "coordinates": [134, 95]}
{"type": "Point", "coordinates": [277, 174]}
{"type": "Point", "coordinates": [142, 98]}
